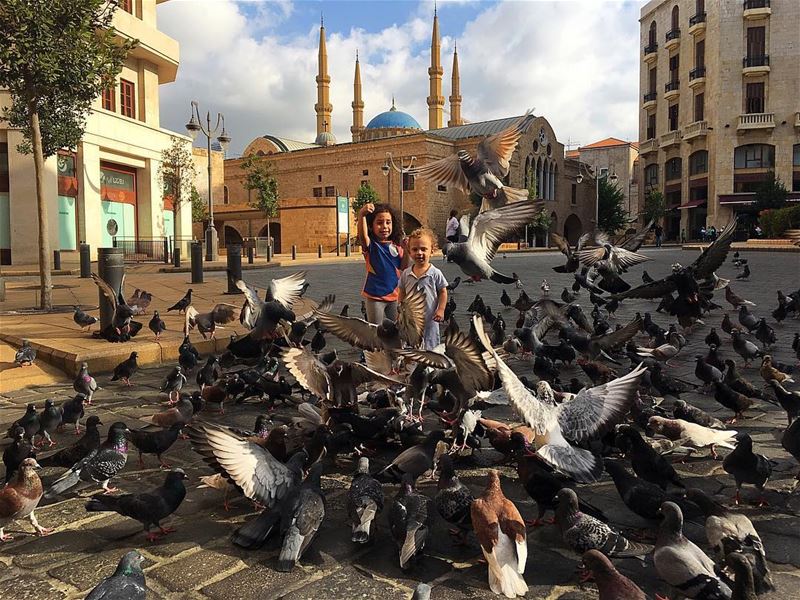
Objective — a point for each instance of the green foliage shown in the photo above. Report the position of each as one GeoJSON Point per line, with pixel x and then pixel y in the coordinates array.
{"type": "Point", "coordinates": [655, 207]}
{"type": "Point", "coordinates": [177, 173]}
{"type": "Point", "coordinates": [771, 193]}
{"type": "Point", "coordinates": [56, 57]}
{"type": "Point", "coordinates": [542, 221]}
{"type": "Point", "coordinates": [259, 178]}
{"type": "Point", "coordinates": [776, 222]}
{"type": "Point", "coordinates": [611, 212]}
{"type": "Point", "coordinates": [199, 208]}
{"type": "Point", "coordinates": [366, 194]}
{"type": "Point", "coordinates": [532, 186]}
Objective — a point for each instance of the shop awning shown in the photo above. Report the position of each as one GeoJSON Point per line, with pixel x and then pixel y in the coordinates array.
{"type": "Point", "coordinates": [736, 198]}
{"type": "Point", "coordinates": [694, 203]}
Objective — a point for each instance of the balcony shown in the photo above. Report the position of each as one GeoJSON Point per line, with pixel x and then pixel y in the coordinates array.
{"type": "Point", "coordinates": [648, 146]}
{"type": "Point", "coordinates": [649, 100]}
{"type": "Point", "coordinates": [650, 52]}
{"type": "Point", "coordinates": [697, 23]}
{"type": "Point", "coordinates": [671, 89]}
{"type": "Point", "coordinates": [797, 120]}
{"type": "Point", "coordinates": [756, 9]}
{"type": "Point", "coordinates": [697, 77]}
{"type": "Point", "coordinates": [755, 65]}
{"type": "Point", "coordinates": [756, 121]}
{"type": "Point", "coordinates": [694, 130]}
{"type": "Point", "coordinates": [672, 138]}
{"type": "Point", "coordinates": [673, 38]}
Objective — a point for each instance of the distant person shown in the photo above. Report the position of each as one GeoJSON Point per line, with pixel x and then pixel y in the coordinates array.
{"type": "Point", "coordinates": [712, 233]}
{"type": "Point", "coordinates": [423, 276]}
{"type": "Point", "coordinates": [703, 233]}
{"type": "Point", "coordinates": [385, 257]}
{"type": "Point", "coordinates": [758, 231]}
{"type": "Point", "coordinates": [683, 236]}
{"type": "Point", "coordinates": [451, 231]}
{"type": "Point", "coordinates": [659, 233]}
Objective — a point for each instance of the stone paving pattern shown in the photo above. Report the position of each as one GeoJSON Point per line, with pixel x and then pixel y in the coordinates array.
{"type": "Point", "coordinates": [199, 561]}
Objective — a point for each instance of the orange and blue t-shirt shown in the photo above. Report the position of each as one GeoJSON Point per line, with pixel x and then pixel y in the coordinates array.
{"type": "Point", "coordinates": [383, 271]}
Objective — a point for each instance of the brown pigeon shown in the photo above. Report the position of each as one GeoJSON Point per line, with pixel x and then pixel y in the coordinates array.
{"type": "Point", "coordinates": [501, 533]}
{"type": "Point", "coordinates": [20, 498]}
{"type": "Point", "coordinates": [611, 584]}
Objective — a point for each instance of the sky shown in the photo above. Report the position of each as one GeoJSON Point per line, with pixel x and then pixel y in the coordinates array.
{"type": "Point", "coordinates": [575, 62]}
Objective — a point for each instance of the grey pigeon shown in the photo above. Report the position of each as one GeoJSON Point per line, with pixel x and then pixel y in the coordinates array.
{"type": "Point", "coordinates": [25, 356]}
{"type": "Point", "coordinates": [747, 319]}
{"type": "Point", "coordinates": [72, 412]}
{"type": "Point", "coordinates": [683, 410]}
{"type": "Point", "coordinates": [29, 422]}
{"type": "Point", "coordinates": [682, 564]}
{"type": "Point", "coordinates": [127, 582]}
{"type": "Point", "coordinates": [49, 420]}
{"type": "Point", "coordinates": [422, 592]}
{"type": "Point", "coordinates": [157, 325]}
{"type": "Point", "coordinates": [302, 512]}
{"type": "Point", "coordinates": [83, 319]}
{"type": "Point", "coordinates": [174, 383]}
{"type": "Point", "coordinates": [489, 230]}
{"type": "Point", "coordinates": [88, 443]}
{"type": "Point", "coordinates": [14, 454]}
{"type": "Point", "coordinates": [453, 499]}
{"type": "Point", "coordinates": [413, 461]}
{"type": "Point", "coordinates": [85, 384]}
{"type": "Point", "coordinates": [745, 348]}
{"type": "Point", "coordinates": [410, 521]}
{"type": "Point", "coordinates": [364, 501]}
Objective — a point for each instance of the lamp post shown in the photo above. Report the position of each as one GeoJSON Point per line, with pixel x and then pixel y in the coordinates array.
{"type": "Point", "coordinates": [195, 126]}
{"type": "Point", "coordinates": [386, 169]}
{"type": "Point", "coordinates": [596, 176]}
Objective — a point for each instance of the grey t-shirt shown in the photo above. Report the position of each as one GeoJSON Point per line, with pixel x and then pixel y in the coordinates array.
{"type": "Point", "coordinates": [431, 283]}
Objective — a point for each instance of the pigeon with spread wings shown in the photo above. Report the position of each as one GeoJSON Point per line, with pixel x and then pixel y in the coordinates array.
{"type": "Point", "coordinates": [615, 258]}
{"type": "Point", "coordinates": [207, 323]}
{"type": "Point", "coordinates": [566, 249]}
{"type": "Point", "coordinates": [489, 230]}
{"type": "Point", "coordinates": [482, 173]}
{"type": "Point", "coordinates": [122, 327]}
{"type": "Point", "coordinates": [590, 413]}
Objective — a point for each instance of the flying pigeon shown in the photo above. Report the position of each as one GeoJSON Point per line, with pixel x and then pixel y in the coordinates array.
{"type": "Point", "coordinates": [207, 323]}
{"type": "Point", "coordinates": [122, 327]}
{"type": "Point", "coordinates": [615, 258]}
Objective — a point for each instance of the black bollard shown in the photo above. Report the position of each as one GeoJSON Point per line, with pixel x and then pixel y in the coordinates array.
{"type": "Point", "coordinates": [347, 247]}
{"type": "Point", "coordinates": [250, 254]}
{"type": "Point", "coordinates": [176, 256]}
{"type": "Point", "coordinates": [319, 251]}
{"type": "Point", "coordinates": [234, 267]}
{"type": "Point", "coordinates": [294, 252]}
{"type": "Point", "coordinates": [166, 250]}
{"type": "Point", "coordinates": [269, 253]}
{"type": "Point", "coordinates": [86, 261]}
{"type": "Point", "coordinates": [56, 260]}
{"type": "Point", "coordinates": [197, 261]}
{"type": "Point", "coordinates": [110, 268]}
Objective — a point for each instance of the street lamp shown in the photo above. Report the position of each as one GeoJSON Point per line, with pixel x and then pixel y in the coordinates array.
{"type": "Point", "coordinates": [195, 126]}
{"type": "Point", "coordinates": [597, 177]}
{"type": "Point", "coordinates": [386, 169]}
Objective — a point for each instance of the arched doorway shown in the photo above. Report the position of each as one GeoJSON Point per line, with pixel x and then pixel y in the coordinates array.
{"type": "Point", "coordinates": [410, 222]}
{"type": "Point", "coordinates": [573, 229]}
{"type": "Point", "coordinates": [275, 233]}
{"type": "Point", "coordinates": [553, 226]}
{"type": "Point", "coordinates": [232, 236]}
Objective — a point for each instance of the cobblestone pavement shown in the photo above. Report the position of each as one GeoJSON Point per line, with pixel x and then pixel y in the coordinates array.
{"type": "Point", "coordinates": [199, 561]}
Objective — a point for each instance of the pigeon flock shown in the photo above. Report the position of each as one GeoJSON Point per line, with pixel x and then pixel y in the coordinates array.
{"type": "Point", "coordinates": [395, 417]}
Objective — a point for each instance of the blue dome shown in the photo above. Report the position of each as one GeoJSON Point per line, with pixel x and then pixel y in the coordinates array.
{"type": "Point", "coordinates": [393, 119]}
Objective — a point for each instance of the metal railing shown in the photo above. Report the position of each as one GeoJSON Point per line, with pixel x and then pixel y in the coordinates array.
{"type": "Point", "coordinates": [671, 86]}
{"type": "Point", "coordinates": [698, 18]}
{"type": "Point", "coordinates": [751, 4]}
{"type": "Point", "coordinates": [673, 34]}
{"type": "Point", "coordinates": [155, 249]}
{"type": "Point", "coordinates": [650, 97]}
{"type": "Point", "coordinates": [758, 60]}
{"type": "Point", "coordinates": [650, 48]}
{"type": "Point", "coordinates": [697, 73]}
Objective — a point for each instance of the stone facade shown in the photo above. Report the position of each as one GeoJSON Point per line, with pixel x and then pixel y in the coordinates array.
{"type": "Point", "coordinates": [721, 53]}
{"type": "Point", "coordinates": [616, 157]}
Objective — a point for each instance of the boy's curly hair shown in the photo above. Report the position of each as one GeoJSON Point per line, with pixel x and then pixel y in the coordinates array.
{"type": "Point", "coordinates": [425, 231]}
{"type": "Point", "coordinates": [396, 236]}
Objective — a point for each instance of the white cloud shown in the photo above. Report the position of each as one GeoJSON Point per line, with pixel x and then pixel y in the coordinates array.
{"type": "Point", "coordinates": [576, 62]}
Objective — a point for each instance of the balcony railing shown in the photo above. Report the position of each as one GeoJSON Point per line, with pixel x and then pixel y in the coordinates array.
{"type": "Point", "coordinates": [649, 145]}
{"type": "Point", "coordinates": [650, 48]}
{"type": "Point", "coordinates": [758, 60]}
{"type": "Point", "coordinates": [650, 97]}
{"type": "Point", "coordinates": [696, 129]}
{"type": "Point", "coordinates": [697, 72]}
{"type": "Point", "coordinates": [757, 121]}
{"type": "Point", "coordinates": [673, 34]}
{"type": "Point", "coordinates": [751, 4]}
{"type": "Point", "coordinates": [698, 18]}
{"type": "Point", "coordinates": [671, 138]}
{"type": "Point", "coordinates": [672, 86]}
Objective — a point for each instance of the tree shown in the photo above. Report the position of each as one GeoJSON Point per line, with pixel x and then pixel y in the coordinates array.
{"type": "Point", "coordinates": [177, 173]}
{"type": "Point", "coordinates": [611, 212]}
{"type": "Point", "coordinates": [56, 57]}
{"type": "Point", "coordinates": [771, 193]}
{"type": "Point", "coordinates": [199, 208]}
{"type": "Point", "coordinates": [655, 206]}
{"type": "Point", "coordinates": [259, 178]}
{"type": "Point", "coordinates": [366, 194]}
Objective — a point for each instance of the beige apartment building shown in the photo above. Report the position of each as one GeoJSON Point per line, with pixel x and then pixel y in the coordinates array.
{"type": "Point", "coordinates": [106, 191]}
{"type": "Point", "coordinates": [720, 106]}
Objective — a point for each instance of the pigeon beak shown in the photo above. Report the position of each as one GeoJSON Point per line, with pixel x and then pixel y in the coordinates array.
{"type": "Point", "coordinates": [37, 466]}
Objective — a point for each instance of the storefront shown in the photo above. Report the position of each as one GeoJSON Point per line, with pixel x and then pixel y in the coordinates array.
{"type": "Point", "coordinates": [67, 202]}
{"type": "Point", "coordinates": [118, 203]}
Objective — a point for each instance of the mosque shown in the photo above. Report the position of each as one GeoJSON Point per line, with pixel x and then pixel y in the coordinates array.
{"type": "Point", "coordinates": [312, 175]}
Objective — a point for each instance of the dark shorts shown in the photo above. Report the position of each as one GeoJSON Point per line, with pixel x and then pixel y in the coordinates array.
{"type": "Point", "coordinates": [453, 238]}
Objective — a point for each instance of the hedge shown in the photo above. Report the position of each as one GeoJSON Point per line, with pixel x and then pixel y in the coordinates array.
{"type": "Point", "coordinates": [775, 222]}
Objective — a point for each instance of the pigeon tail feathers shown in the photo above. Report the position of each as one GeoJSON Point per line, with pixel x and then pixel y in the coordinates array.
{"type": "Point", "coordinates": [290, 550]}
{"type": "Point", "coordinates": [255, 532]}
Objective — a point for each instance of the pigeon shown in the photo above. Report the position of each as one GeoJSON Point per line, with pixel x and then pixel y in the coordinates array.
{"type": "Point", "coordinates": [72, 412]}
{"type": "Point", "coordinates": [25, 356]}
{"type": "Point", "coordinates": [207, 323]}
{"type": "Point", "coordinates": [765, 334]}
{"type": "Point", "coordinates": [157, 325]}
{"type": "Point", "coordinates": [20, 497]}
{"type": "Point", "coordinates": [301, 514]}
{"type": "Point", "coordinates": [564, 246]}
{"type": "Point", "coordinates": [489, 230]}
{"type": "Point", "coordinates": [29, 422]}
{"type": "Point", "coordinates": [681, 563]}
{"type": "Point", "coordinates": [661, 353]}
{"type": "Point", "coordinates": [451, 287]}
{"type": "Point", "coordinates": [422, 592]}
{"type": "Point", "coordinates": [414, 461]}
{"type": "Point", "coordinates": [581, 532]}
{"type": "Point", "coordinates": [182, 304]}
{"type": "Point", "coordinates": [611, 584]}
{"type": "Point", "coordinates": [505, 300]}
{"type": "Point", "coordinates": [49, 420]}
{"type": "Point", "coordinates": [140, 305]}
{"type": "Point", "coordinates": [770, 373]}
{"type": "Point", "coordinates": [209, 373]}
{"type": "Point", "coordinates": [127, 582]}
{"type": "Point", "coordinates": [683, 410]}
{"type": "Point", "coordinates": [748, 467]}
{"type": "Point", "coordinates": [747, 319]}
{"type": "Point", "coordinates": [667, 385]}
{"type": "Point", "coordinates": [85, 384]}
{"type": "Point", "coordinates": [82, 319]}
{"type": "Point", "coordinates": [16, 452]}
{"type": "Point", "coordinates": [744, 348]}
{"type": "Point", "coordinates": [736, 382]}
{"type": "Point", "coordinates": [692, 434]}
{"type": "Point", "coordinates": [181, 413]}
{"type": "Point", "coordinates": [789, 401]}
{"type": "Point", "coordinates": [98, 466]}
{"type": "Point", "coordinates": [745, 274]}
{"type": "Point", "coordinates": [705, 372]}
{"type": "Point", "coordinates": [149, 508]}
{"type": "Point", "coordinates": [88, 443]}
{"type": "Point", "coordinates": [154, 442]}
{"type": "Point", "coordinates": [735, 300]}
{"type": "Point", "coordinates": [173, 384]}
{"type": "Point", "coordinates": [501, 533]}
{"type": "Point", "coordinates": [616, 258]}
{"type": "Point", "coordinates": [483, 173]}
{"type": "Point", "coordinates": [645, 461]}
{"type": "Point", "coordinates": [122, 327]}
{"type": "Point", "coordinates": [411, 518]}
{"type": "Point", "coordinates": [712, 339]}
{"type": "Point", "coordinates": [126, 369]}
{"type": "Point", "coordinates": [744, 587]}
{"type": "Point", "coordinates": [364, 502]}
{"type": "Point", "coordinates": [732, 400]}
{"type": "Point", "coordinates": [453, 499]}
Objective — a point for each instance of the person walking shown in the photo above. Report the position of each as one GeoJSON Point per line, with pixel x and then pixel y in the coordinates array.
{"type": "Point", "coordinates": [451, 230]}
{"type": "Point", "coordinates": [659, 233]}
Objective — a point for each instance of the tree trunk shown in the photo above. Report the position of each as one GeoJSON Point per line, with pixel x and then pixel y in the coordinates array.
{"type": "Point", "coordinates": [269, 231]}
{"type": "Point", "coordinates": [45, 276]}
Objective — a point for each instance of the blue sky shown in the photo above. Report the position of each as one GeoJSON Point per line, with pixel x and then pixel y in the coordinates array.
{"type": "Point", "coordinates": [574, 61]}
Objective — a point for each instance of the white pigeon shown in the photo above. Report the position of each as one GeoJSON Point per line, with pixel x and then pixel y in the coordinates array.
{"type": "Point", "coordinates": [692, 434]}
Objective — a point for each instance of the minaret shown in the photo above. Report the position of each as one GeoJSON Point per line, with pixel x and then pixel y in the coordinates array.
{"type": "Point", "coordinates": [455, 93]}
{"type": "Point", "coordinates": [435, 71]}
{"type": "Point", "coordinates": [357, 104]}
{"type": "Point", "coordinates": [323, 105]}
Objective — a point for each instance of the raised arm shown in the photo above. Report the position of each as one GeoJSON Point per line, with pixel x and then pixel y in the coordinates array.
{"type": "Point", "coordinates": [362, 231]}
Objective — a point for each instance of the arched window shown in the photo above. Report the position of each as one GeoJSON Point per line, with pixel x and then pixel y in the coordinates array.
{"type": "Point", "coordinates": [651, 175]}
{"type": "Point", "coordinates": [796, 155]}
{"type": "Point", "coordinates": [675, 17]}
{"type": "Point", "coordinates": [698, 162]}
{"type": "Point", "coordinates": [527, 171]}
{"type": "Point", "coordinates": [551, 192]}
{"type": "Point", "coordinates": [672, 169]}
{"type": "Point", "coordinates": [651, 38]}
{"type": "Point", "coordinates": [225, 198]}
{"type": "Point", "coordinates": [754, 156]}
{"type": "Point", "coordinates": [700, 7]}
{"type": "Point", "coordinates": [555, 181]}
{"type": "Point", "coordinates": [539, 178]}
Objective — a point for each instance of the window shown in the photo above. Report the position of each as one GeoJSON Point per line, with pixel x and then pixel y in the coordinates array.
{"type": "Point", "coordinates": [795, 156]}
{"type": "Point", "coordinates": [651, 126]}
{"type": "Point", "coordinates": [127, 98]}
{"type": "Point", "coordinates": [109, 99]}
{"type": "Point", "coordinates": [674, 63]}
{"type": "Point", "coordinates": [675, 18]}
{"type": "Point", "coordinates": [699, 7]}
{"type": "Point", "coordinates": [672, 169]}
{"type": "Point", "coordinates": [408, 182]}
{"type": "Point", "coordinates": [700, 54]}
{"type": "Point", "coordinates": [756, 41]}
{"type": "Point", "coordinates": [754, 156]}
{"type": "Point", "coordinates": [699, 107]}
{"type": "Point", "coordinates": [317, 192]}
{"type": "Point", "coordinates": [573, 199]}
{"type": "Point", "coordinates": [365, 172]}
{"type": "Point", "coordinates": [330, 191]}
{"type": "Point", "coordinates": [651, 176]}
{"type": "Point", "coordinates": [603, 171]}
{"type": "Point", "coordinates": [651, 36]}
{"type": "Point", "coordinates": [672, 116]}
{"type": "Point", "coordinates": [651, 81]}
{"type": "Point", "coordinates": [698, 162]}
{"type": "Point", "coordinates": [441, 188]}
{"type": "Point", "coordinates": [754, 98]}
{"type": "Point", "coordinates": [225, 194]}
{"type": "Point", "coordinates": [126, 5]}
{"type": "Point", "coordinates": [364, 183]}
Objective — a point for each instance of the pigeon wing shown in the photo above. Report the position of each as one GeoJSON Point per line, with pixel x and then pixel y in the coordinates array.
{"type": "Point", "coordinates": [222, 314]}
{"type": "Point", "coordinates": [627, 259]}
{"type": "Point", "coordinates": [428, 358]}
{"type": "Point", "coordinates": [620, 336]}
{"type": "Point", "coordinates": [468, 360]}
{"type": "Point", "coordinates": [446, 171]}
{"type": "Point", "coordinates": [493, 227]}
{"type": "Point", "coordinates": [464, 226]}
{"type": "Point", "coordinates": [106, 289]}
{"type": "Point", "coordinates": [635, 241]}
{"type": "Point", "coordinates": [590, 256]}
{"type": "Point", "coordinates": [363, 374]}
{"type": "Point", "coordinates": [352, 330]}
{"type": "Point", "coordinates": [495, 151]}
{"type": "Point", "coordinates": [307, 370]}
{"type": "Point", "coordinates": [562, 244]}
{"type": "Point", "coordinates": [411, 317]}
{"type": "Point", "coordinates": [712, 257]}
{"type": "Point", "coordinates": [654, 289]}
{"type": "Point", "coordinates": [250, 296]}
{"type": "Point", "coordinates": [286, 290]}
{"type": "Point", "coordinates": [190, 319]}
